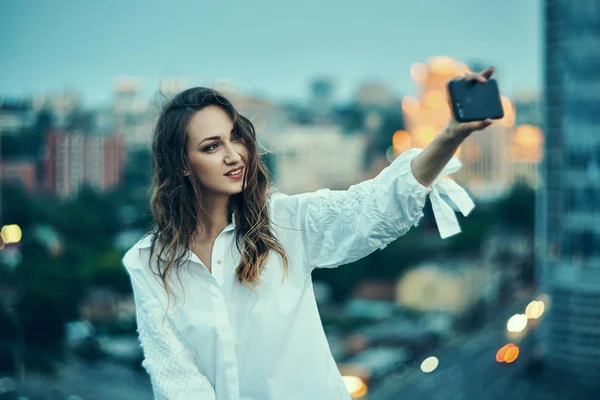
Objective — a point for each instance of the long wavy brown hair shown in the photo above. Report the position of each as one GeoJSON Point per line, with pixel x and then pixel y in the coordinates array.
{"type": "Point", "coordinates": [176, 199]}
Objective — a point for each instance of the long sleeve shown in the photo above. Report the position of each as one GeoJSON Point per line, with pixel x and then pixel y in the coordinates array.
{"type": "Point", "coordinates": [171, 366]}
{"type": "Point", "coordinates": [343, 226]}
{"type": "Point", "coordinates": [169, 361]}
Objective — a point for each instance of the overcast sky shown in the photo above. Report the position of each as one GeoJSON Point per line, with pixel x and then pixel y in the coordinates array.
{"type": "Point", "coordinates": [266, 47]}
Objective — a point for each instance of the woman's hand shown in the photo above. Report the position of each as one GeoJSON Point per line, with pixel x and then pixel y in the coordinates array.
{"type": "Point", "coordinates": [427, 166]}
{"type": "Point", "coordinates": [462, 130]}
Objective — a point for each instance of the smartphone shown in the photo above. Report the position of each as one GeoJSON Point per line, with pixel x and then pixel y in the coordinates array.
{"type": "Point", "coordinates": [475, 101]}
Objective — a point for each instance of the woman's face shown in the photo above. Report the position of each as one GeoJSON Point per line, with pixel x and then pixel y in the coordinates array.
{"type": "Point", "coordinates": [213, 150]}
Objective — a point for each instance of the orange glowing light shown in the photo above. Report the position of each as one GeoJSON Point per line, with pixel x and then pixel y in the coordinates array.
{"type": "Point", "coordinates": [401, 141]}
{"type": "Point", "coordinates": [410, 105]}
{"type": "Point", "coordinates": [528, 136]}
{"type": "Point", "coordinates": [527, 144]}
{"type": "Point", "coordinates": [500, 354]}
{"type": "Point", "coordinates": [471, 151]}
{"type": "Point", "coordinates": [506, 352]}
{"type": "Point", "coordinates": [435, 99]}
{"type": "Point", "coordinates": [355, 386]}
{"type": "Point", "coordinates": [511, 354]}
{"type": "Point", "coordinates": [443, 65]}
{"type": "Point", "coordinates": [423, 135]}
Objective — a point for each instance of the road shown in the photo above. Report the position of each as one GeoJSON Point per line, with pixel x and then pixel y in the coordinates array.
{"type": "Point", "coordinates": [99, 381]}
{"type": "Point", "coordinates": [468, 371]}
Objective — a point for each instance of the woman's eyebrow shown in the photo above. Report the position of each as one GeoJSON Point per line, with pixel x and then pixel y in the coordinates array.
{"type": "Point", "coordinates": [213, 137]}
{"type": "Point", "coordinates": [209, 138]}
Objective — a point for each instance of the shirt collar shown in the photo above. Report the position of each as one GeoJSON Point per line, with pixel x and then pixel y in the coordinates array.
{"type": "Point", "coordinates": [231, 225]}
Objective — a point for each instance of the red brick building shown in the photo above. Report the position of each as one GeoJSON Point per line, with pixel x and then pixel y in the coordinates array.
{"type": "Point", "coordinates": [76, 159]}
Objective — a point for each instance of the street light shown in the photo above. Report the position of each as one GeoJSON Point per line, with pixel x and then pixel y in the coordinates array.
{"type": "Point", "coordinates": [429, 364]}
{"type": "Point", "coordinates": [11, 233]}
{"type": "Point", "coordinates": [535, 309]}
{"type": "Point", "coordinates": [356, 386]}
{"type": "Point", "coordinates": [507, 354]}
{"type": "Point", "coordinates": [517, 323]}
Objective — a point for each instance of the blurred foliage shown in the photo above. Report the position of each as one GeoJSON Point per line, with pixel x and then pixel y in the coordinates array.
{"type": "Point", "coordinates": [138, 171]}
{"type": "Point", "coordinates": [28, 143]}
{"type": "Point", "coordinates": [344, 323]}
{"type": "Point", "coordinates": [517, 209]}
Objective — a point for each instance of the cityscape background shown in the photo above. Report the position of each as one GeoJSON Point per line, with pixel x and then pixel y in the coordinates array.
{"type": "Point", "coordinates": [509, 308]}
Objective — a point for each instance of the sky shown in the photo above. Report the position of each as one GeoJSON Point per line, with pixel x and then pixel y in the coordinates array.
{"type": "Point", "coordinates": [270, 48]}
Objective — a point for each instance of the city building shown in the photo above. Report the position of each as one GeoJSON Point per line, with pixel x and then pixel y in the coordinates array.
{"type": "Point", "coordinates": [321, 97]}
{"type": "Point", "coordinates": [76, 159]}
{"type": "Point", "coordinates": [451, 287]}
{"type": "Point", "coordinates": [375, 93]}
{"type": "Point", "coordinates": [526, 147]}
{"type": "Point", "coordinates": [132, 114]}
{"type": "Point", "coordinates": [524, 153]}
{"type": "Point", "coordinates": [315, 157]}
{"type": "Point", "coordinates": [62, 105]}
{"type": "Point", "coordinates": [529, 109]}
{"type": "Point", "coordinates": [568, 205]}
{"type": "Point", "coordinates": [268, 119]}
{"type": "Point", "coordinates": [16, 115]}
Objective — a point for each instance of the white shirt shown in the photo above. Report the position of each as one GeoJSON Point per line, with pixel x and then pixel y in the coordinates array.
{"type": "Point", "coordinates": [219, 340]}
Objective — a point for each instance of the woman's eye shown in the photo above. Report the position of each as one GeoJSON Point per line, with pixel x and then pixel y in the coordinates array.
{"type": "Point", "coordinates": [211, 147]}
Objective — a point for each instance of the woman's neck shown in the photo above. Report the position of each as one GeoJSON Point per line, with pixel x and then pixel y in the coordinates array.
{"type": "Point", "coordinates": [213, 217]}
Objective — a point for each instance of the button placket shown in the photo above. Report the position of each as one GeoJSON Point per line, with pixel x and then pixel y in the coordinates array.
{"type": "Point", "coordinates": [226, 336]}
{"type": "Point", "coordinates": [217, 258]}
{"type": "Point", "coordinates": [222, 317]}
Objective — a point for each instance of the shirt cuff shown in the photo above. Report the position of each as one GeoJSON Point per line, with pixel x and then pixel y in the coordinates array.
{"type": "Point", "coordinates": [444, 189]}
{"type": "Point", "coordinates": [446, 195]}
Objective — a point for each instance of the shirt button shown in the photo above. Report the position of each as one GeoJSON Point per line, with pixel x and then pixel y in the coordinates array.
{"type": "Point", "coordinates": [219, 262]}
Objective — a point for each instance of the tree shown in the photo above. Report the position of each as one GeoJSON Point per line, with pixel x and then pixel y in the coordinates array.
{"type": "Point", "coordinates": [392, 121]}
{"type": "Point", "coordinates": [29, 142]}
{"type": "Point", "coordinates": [108, 271]}
{"type": "Point", "coordinates": [517, 210]}
{"type": "Point", "coordinates": [138, 169]}
{"type": "Point", "coordinates": [350, 117]}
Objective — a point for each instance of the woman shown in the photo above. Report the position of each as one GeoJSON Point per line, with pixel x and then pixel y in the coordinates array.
{"type": "Point", "coordinates": [223, 291]}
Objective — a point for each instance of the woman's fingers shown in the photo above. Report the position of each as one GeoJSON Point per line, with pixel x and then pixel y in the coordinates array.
{"type": "Point", "coordinates": [479, 77]}
{"type": "Point", "coordinates": [488, 72]}
{"type": "Point", "coordinates": [486, 123]}
{"type": "Point", "coordinates": [476, 125]}
{"type": "Point", "coordinates": [483, 124]}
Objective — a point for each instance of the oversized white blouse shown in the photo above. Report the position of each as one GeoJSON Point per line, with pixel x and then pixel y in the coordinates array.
{"type": "Point", "coordinates": [216, 339]}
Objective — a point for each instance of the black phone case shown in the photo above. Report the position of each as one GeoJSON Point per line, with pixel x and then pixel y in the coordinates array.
{"type": "Point", "coordinates": [475, 101]}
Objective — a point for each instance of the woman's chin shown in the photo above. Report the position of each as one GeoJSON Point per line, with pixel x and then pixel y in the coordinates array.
{"type": "Point", "coordinates": [235, 189]}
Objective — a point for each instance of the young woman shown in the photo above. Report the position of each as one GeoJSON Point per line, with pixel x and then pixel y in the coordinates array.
{"type": "Point", "coordinates": [223, 291]}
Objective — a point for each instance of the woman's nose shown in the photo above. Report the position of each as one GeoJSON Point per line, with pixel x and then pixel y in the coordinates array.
{"type": "Point", "coordinates": [232, 155]}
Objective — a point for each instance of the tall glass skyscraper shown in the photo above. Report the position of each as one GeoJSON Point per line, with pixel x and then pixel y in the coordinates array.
{"type": "Point", "coordinates": [568, 204]}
